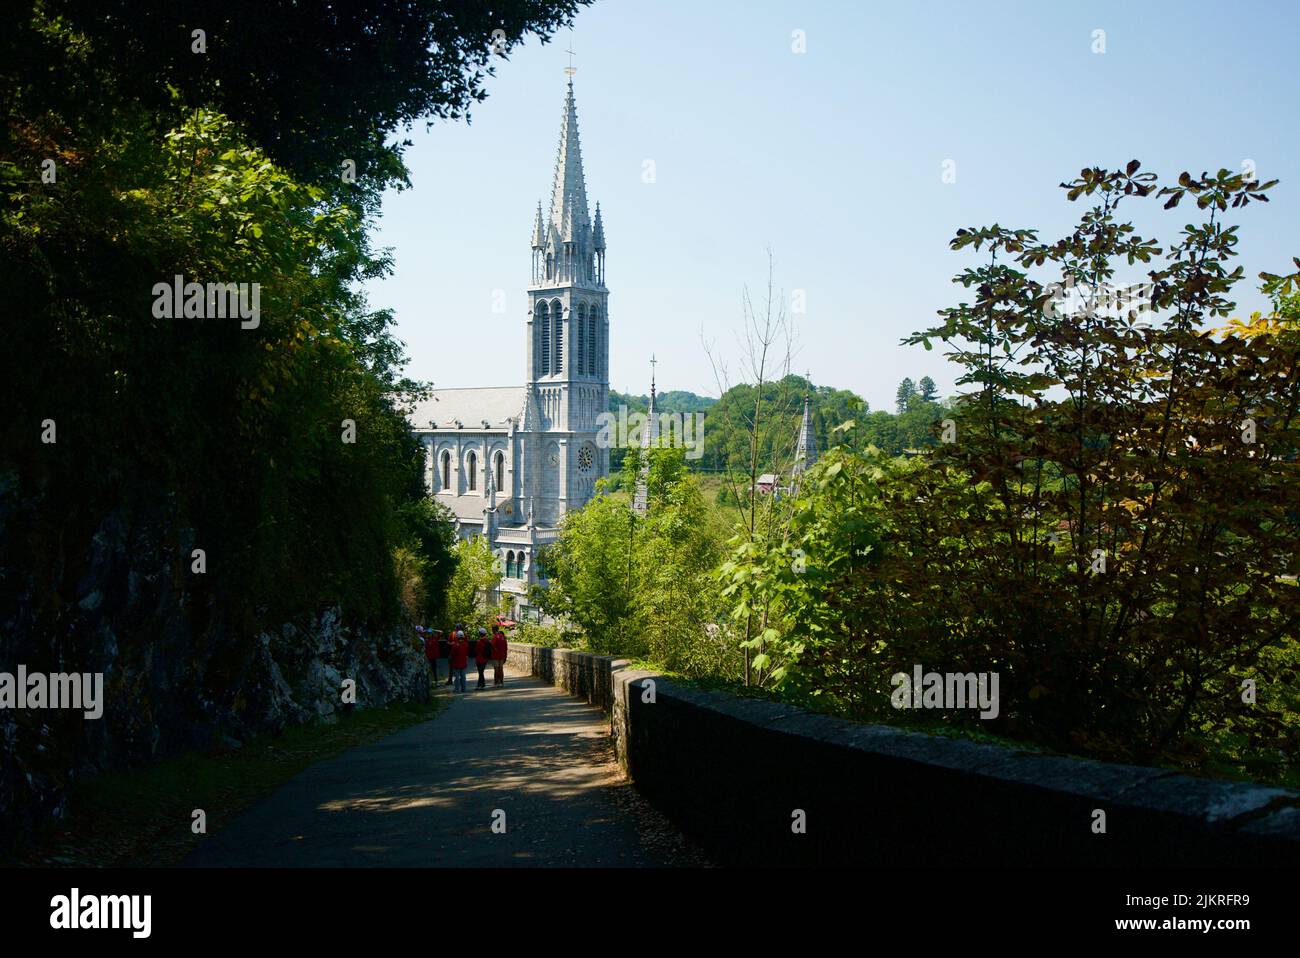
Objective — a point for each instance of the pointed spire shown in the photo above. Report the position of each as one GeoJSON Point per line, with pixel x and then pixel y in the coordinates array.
{"type": "Point", "coordinates": [598, 237]}
{"type": "Point", "coordinates": [805, 453]}
{"type": "Point", "coordinates": [649, 439]}
{"type": "Point", "coordinates": [539, 230]}
{"type": "Point", "coordinates": [569, 196]}
{"type": "Point", "coordinates": [650, 435]}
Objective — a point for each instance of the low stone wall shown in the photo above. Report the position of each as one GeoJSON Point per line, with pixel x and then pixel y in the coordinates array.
{"type": "Point", "coordinates": [580, 674]}
{"type": "Point", "coordinates": [736, 773]}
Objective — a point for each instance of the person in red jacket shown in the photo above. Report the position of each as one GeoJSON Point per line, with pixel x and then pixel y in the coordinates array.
{"type": "Point", "coordinates": [459, 661]}
{"type": "Point", "coordinates": [498, 656]}
{"type": "Point", "coordinates": [431, 651]}
{"type": "Point", "coordinates": [482, 656]}
{"type": "Point", "coordinates": [447, 644]}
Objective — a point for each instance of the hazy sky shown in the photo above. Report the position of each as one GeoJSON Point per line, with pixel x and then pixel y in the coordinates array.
{"type": "Point", "coordinates": [833, 158]}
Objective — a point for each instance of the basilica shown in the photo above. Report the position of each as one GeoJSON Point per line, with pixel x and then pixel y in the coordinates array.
{"type": "Point", "coordinates": [510, 461]}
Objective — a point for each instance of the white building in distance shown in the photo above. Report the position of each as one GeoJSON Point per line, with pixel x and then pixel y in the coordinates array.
{"type": "Point", "coordinates": [509, 462]}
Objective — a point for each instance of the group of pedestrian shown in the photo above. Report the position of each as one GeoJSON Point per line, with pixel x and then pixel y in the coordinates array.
{"type": "Point", "coordinates": [455, 649]}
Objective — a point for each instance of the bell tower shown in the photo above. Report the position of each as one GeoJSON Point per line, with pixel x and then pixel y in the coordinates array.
{"type": "Point", "coordinates": [567, 353]}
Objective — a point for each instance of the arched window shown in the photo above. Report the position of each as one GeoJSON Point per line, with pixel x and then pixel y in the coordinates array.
{"type": "Point", "coordinates": [579, 335]}
{"type": "Point", "coordinates": [542, 343]}
{"type": "Point", "coordinates": [500, 471]}
{"type": "Point", "coordinates": [446, 469]}
{"type": "Point", "coordinates": [597, 331]}
{"type": "Point", "coordinates": [510, 565]}
{"type": "Point", "coordinates": [550, 265]}
{"type": "Point", "coordinates": [471, 466]}
{"type": "Point", "coordinates": [557, 325]}
{"type": "Point", "coordinates": [591, 340]}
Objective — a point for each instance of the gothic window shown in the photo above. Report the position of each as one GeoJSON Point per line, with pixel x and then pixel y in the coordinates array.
{"type": "Point", "coordinates": [471, 466]}
{"type": "Point", "coordinates": [446, 469]}
{"type": "Point", "coordinates": [542, 328]}
{"type": "Point", "coordinates": [597, 340]}
{"type": "Point", "coordinates": [591, 341]}
{"type": "Point", "coordinates": [550, 265]}
{"type": "Point", "coordinates": [557, 322]}
{"type": "Point", "coordinates": [580, 334]}
{"type": "Point", "coordinates": [510, 565]}
{"type": "Point", "coordinates": [501, 471]}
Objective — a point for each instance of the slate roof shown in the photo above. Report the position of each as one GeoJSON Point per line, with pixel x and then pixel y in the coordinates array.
{"type": "Point", "coordinates": [471, 406]}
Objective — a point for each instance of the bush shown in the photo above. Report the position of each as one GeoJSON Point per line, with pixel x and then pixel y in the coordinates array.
{"type": "Point", "coordinates": [1112, 530]}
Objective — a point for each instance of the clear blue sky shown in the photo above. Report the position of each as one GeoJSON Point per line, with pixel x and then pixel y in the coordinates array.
{"type": "Point", "coordinates": [832, 157]}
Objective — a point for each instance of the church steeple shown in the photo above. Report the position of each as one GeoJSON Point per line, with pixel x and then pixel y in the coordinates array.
{"type": "Point", "coordinates": [569, 194]}
{"type": "Point", "coordinates": [805, 453]}
{"type": "Point", "coordinates": [650, 437]}
{"type": "Point", "coordinates": [566, 337]}
{"type": "Point", "coordinates": [568, 247]}
{"type": "Point", "coordinates": [649, 440]}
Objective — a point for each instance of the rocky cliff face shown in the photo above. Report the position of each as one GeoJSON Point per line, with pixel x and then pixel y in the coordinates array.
{"type": "Point", "coordinates": [178, 675]}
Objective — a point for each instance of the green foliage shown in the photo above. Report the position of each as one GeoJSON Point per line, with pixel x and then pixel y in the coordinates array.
{"type": "Point", "coordinates": [1092, 434]}
{"type": "Point", "coordinates": [197, 432]}
{"type": "Point", "coordinates": [547, 636]}
{"type": "Point", "coordinates": [791, 586]}
{"type": "Point", "coordinates": [427, 563]}
{"type": "Point", "coordinates": [640, 585]}
{"type": "Point", "coordinates": [727, 428]}
{"type": "Point", "coordinates": [472, 596]}
{"type": "Point", "coordinates": [311, 87]}
{"type": "Point", "coordinates": [674, 401]}
{"type": "Point", "coordinates": [590, 573]}
{"type": "Point", "coordinates": [906, 392]}
{"type": "Point", "coordinates": [892, 434]}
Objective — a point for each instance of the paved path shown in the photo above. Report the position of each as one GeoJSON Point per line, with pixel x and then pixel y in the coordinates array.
{"type": "Point", "coordinates": [425, 796]}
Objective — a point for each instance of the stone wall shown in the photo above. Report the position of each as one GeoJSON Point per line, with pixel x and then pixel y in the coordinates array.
{"type": "Point", "coordinates": [580, 674]}
{"type": "Point", "coordinates": [733, 772]}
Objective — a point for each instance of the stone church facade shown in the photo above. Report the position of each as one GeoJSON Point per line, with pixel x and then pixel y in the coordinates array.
{"type": "Point", "coordinates": [510, 462]}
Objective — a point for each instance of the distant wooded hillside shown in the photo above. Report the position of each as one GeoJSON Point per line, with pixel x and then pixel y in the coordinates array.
{"type": "Point", "coordinates": [728, 420]}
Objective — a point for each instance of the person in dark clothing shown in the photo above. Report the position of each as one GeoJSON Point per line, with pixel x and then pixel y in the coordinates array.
{"type": "Point", "coordinates": [482, 655]}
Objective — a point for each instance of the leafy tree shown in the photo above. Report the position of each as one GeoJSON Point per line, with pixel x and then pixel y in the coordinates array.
{"type": "Point", "coordinates": [308, 88]}
{"type": "Point", "coordinates": [472, 597]}
{"type": "Point", "coordinates": [906, 390]}
{"type": "Point", "coordinates": [640, 585]}
{"type": "Point", "coordinates": [1076, 538]}
{"type": "Point", "coordinates": [793, 585]}
{"type": "Point", "coordinates": [1086, 512]}
{"type": "Point", "coordinates": [927, 390]}
{"type": "Point", "coordinates": [276, 447]}
{"type": "Point", "coordinates": [591, 574]}
{"type": "Point", "coordinates": [430, 540]}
